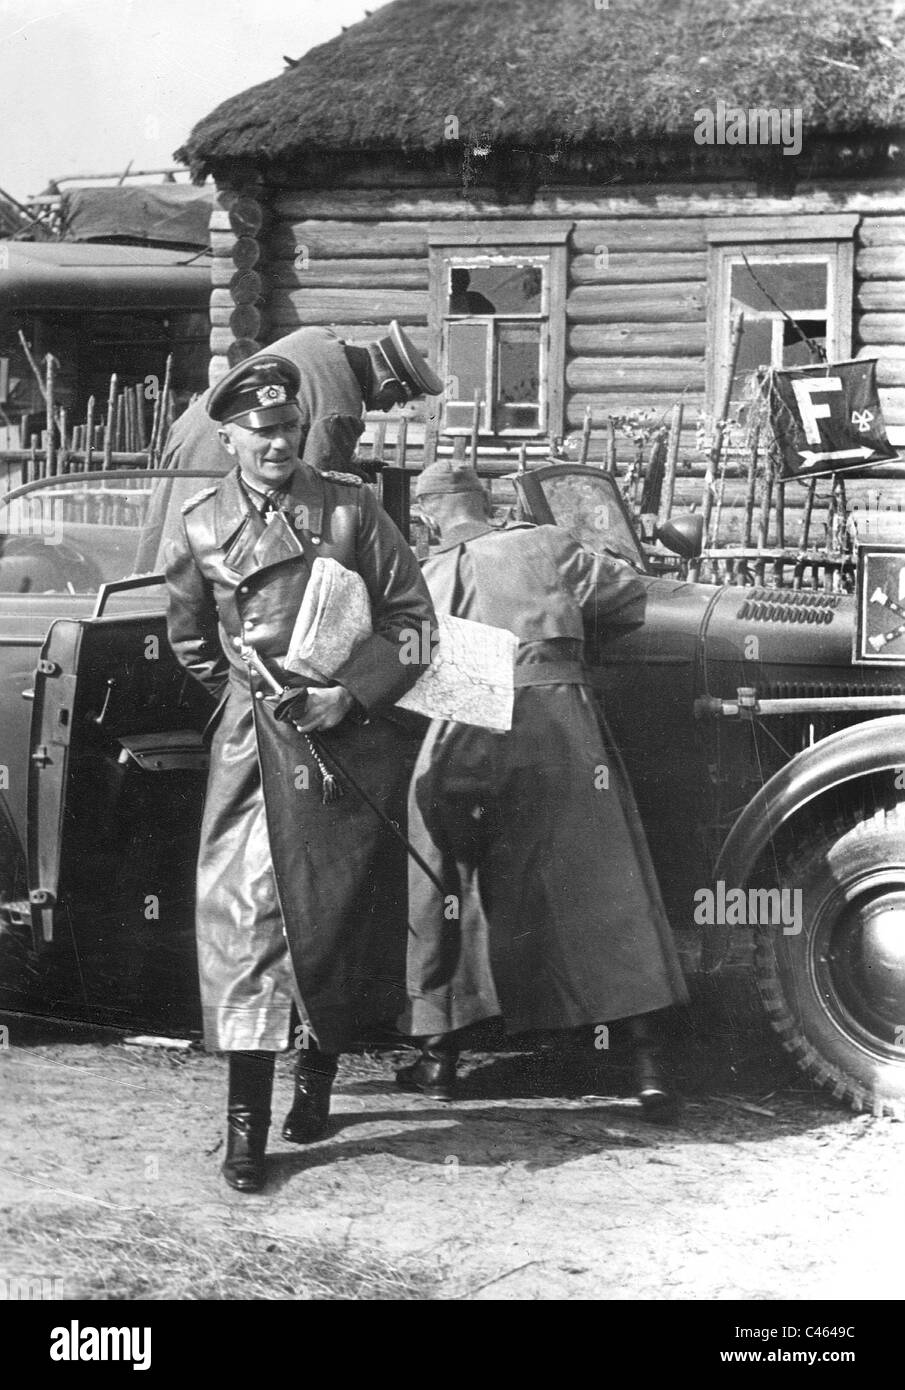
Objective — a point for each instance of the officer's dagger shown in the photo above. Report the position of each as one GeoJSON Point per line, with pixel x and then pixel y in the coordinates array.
{"type": "Point", "coordinates": [331, 789]}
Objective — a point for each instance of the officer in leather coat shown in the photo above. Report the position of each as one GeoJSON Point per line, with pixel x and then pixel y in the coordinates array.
{"type": "Point", "coordinates": [299, 903]}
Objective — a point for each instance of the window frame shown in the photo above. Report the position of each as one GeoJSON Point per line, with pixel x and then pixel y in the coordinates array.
{"type": "Point", "coordinates": [474, 245]}
{"type": "Point", "coordinates": [808, 238]}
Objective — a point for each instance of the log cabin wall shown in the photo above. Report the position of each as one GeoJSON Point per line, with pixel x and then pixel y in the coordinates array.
{"type": "Point", "coordinates": [352, 258]}
{"type": "Point", "coordinates": [880, 309]}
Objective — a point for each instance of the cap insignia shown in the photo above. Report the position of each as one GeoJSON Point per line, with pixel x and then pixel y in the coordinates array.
{"type": "Point", "coordinates": [271, 395]}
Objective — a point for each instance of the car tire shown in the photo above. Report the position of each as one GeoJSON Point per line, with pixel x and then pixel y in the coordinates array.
{"type": "Point", "coordinates": [20, 971]}
{"type": "Point", "coordinates": [835, 990]}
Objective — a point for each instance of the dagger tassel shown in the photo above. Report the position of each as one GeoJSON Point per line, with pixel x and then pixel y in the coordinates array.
{"type": "Point", "coordinates": [331, 787]}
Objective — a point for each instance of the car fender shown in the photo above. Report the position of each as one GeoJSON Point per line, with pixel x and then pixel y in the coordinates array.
{"type": "Point", "coordinates": [874, 746]}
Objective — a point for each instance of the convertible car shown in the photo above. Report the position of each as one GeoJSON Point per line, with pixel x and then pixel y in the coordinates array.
{"type": "Point", "coordinates": [762, 729]}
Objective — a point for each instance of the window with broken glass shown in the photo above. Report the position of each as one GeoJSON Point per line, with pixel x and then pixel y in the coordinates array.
{"type": "Point", "coordinates": [796, 301]}
{"type": "Point", "coordinates": [495, 342]}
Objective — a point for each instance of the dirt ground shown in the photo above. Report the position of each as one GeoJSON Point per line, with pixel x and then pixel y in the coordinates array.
{"type": "Point", "coordinates": [542, 1182]}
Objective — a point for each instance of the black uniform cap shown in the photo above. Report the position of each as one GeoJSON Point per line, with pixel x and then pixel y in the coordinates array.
{"type": "Point", "coordinates": [406, 365]}
{"type": "Point", "coordinates": [258, 392]}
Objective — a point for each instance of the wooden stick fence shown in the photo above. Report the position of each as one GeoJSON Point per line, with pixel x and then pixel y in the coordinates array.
{"type": "Point", "coordinates": [132, 429]}
{"type": "Point", "coordinates": [719, 431]}
{"type": "Point", "coordinates": [672, 462]}
{"type": "Point", "coordinates": [126, 439]}
{"type": "Point", "coordinates": [126, 429]}
{"type": "Point", "coordinates": [740, 488]}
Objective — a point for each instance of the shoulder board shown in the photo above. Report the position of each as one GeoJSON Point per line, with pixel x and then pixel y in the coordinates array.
{"type": "Point", "coordinates": [342, 478]}
{"type": "Point", "coordinates": [198, 498]}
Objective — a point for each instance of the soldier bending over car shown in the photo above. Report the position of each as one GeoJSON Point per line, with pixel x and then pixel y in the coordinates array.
{"type": "Point", "coordinates": [533, 833]}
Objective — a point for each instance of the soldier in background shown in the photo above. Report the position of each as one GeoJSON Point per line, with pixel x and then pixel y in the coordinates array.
{"type": "Point", "coordinates": [534, 833]}
{"type": "Point", "coordinates": [337, 381]}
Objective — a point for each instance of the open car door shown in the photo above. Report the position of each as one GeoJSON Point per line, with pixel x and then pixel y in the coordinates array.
{"type": "Point", "coordinates": [115, 792]}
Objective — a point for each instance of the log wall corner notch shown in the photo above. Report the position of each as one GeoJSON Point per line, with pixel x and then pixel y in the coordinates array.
{"type": "Point", "coordinates": [239, 293]}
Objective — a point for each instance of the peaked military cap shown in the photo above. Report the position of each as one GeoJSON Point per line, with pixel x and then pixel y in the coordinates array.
{"type": "Point", "coordinates": [258, 392]}
{"type": "Point", "coordinates": [445, 477]}
{"type": "Point", "coordinates": [407, 365]}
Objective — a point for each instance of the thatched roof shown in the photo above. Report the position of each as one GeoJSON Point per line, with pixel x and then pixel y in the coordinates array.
{"type": "Point", "coordinates": [535, 72]}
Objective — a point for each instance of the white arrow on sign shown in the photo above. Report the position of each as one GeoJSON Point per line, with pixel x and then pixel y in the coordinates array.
{"type": "Point", "coordinates": [809, 458]}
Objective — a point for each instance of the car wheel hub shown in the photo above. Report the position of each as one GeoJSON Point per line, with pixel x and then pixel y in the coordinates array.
{"type": "Point", "coordinates": [860, 962]}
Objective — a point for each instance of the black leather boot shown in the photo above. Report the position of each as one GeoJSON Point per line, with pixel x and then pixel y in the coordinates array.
{"type": "Point", "coordinates": [658, 1102]}
{"type": "Point", "coordinates": [434, 1073]}
{"type": "Point", "coordinates": [248, 1119]}
{"type": "Point", "coordinates": [314, 1073]}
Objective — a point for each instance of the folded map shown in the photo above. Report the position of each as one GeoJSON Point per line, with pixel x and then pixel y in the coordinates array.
{"type": "Point", "coordinates": [470, 678]}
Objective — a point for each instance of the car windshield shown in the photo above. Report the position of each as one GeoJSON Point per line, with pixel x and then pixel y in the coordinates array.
{"type": "Point", "coordinates": [70, 535]}
{"type": "Point", "coordinates": [587, 504]}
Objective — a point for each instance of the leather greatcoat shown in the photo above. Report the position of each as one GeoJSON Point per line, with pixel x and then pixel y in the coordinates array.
{"type": "Point", "coordinates": [297, 901]}
{"type": "Point", "coordinates": [551, 914]}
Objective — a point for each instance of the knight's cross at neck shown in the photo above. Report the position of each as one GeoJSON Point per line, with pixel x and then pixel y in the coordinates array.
{"type": "Point", "coordinates": [273, 502]}
{"type": "Point", "coordinates": [266, 501]}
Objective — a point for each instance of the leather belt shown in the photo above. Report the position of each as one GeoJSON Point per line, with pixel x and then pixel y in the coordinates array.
{"type": "Point", "coordinates": [550, 673]}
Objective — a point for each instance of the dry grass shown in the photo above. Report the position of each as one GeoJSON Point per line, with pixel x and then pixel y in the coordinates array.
{"type": "Point", "coordinates": [538, 73]}
{"type": "Point", "coordinates": [141, 1255]}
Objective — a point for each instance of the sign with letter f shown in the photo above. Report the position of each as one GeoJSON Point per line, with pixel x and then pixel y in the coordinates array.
{"type": "Point", "coordinates": [827, 418]}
